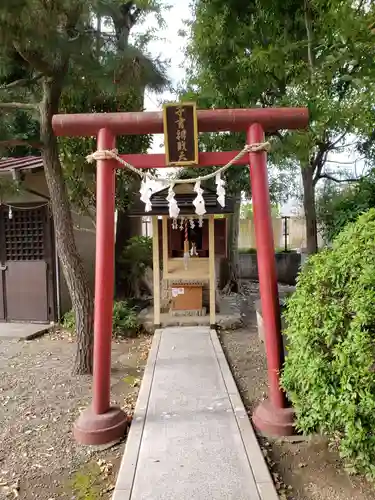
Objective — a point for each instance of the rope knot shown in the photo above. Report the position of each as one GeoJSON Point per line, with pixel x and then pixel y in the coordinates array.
{"type": "Point", "coordinates": [105, 154]}
{"type": "Point", "coordinates": [258, 146]}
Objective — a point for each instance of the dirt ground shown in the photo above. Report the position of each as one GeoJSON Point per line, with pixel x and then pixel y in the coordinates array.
{"type": "Point", "coordinates": [40, 400]}
{"type": "Point", "coordinates": [305, 470]}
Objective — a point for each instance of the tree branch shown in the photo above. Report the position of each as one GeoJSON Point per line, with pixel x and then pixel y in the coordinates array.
{"type": "Point", "coordinates": [18, 142]}
{"type": "Point", "coordinates": [350, 145]}
{"type": "Point", "coordinates": [309, 33]}
{"type": "Point", "coordinates": [18, 105]}
{"type": "Point", "coordinates": [22, 82]}
{"type": "Point", "coordinates": [338, 140]}
{"type": "Point", "coordinates": [320, 160]}
{"type": "Point", "coordinates": [278, 134]}
{"type": "Point", "coordinates": [34, 60]}
{"type": "Point", "coordinates": [338, 181]}
{"type": "Point", "coordinates": [360, 6]}
{"type": "Point", "coordinates": [346, 162]}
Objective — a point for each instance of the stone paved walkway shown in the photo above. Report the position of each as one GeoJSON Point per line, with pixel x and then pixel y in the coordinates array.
{"type": "Point", "coordinates": [191, 437]}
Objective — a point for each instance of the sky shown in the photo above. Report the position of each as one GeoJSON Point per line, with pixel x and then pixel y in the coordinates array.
{"type": "Point", "coordinates": [170, 46]}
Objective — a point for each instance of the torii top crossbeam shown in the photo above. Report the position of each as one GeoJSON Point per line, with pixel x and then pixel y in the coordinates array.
{"type": "Point", "coordinates": [151, 122]}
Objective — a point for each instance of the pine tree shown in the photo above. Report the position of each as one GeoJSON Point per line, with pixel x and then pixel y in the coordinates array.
{"type": "Point", "coordinates": [46, 46]}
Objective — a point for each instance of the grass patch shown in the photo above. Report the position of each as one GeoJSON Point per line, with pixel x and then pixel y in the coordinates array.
{"type": "Point", "coordinates": [86, 484]}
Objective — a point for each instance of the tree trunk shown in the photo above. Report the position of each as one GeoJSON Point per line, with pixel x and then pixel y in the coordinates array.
{"type": "Point", "coordinates": [233, 271]}
{"type": "Point", "coordinates": [75, 276]}
{"type": "Point", "coordinates": [310, 209]}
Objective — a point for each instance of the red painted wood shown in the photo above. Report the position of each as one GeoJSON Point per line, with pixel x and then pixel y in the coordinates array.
{"type": "Point", "coordinates": [216, 159]}
{"type": "Point", "coordinates": [266, 266]}
{"type": "Point", "coordinates": [151, 122]}
{"type": "Point", "coordinates": [104, 275]}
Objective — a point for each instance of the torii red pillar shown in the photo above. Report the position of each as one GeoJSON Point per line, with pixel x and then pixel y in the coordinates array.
{"type": "Point", "coordinates": [101, 423]}
{"type": "Point", "coordinates": [272, 416]}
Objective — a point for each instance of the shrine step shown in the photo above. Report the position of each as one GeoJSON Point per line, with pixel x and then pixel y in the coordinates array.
{"type": "Point", "coordinates": [188, 312]}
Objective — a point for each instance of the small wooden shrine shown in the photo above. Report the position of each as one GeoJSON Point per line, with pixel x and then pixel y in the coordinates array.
{"type": "Point", "coordinates": [188, 248]}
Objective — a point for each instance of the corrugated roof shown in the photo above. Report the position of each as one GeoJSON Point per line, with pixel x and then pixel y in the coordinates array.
{"type": "Point", "coordinates": [22, 163]}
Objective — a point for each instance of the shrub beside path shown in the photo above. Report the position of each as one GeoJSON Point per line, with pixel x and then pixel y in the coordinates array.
{"type": "Point", "coordinates": [302, 470]}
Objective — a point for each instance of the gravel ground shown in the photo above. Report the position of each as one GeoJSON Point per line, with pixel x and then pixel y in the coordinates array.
{"type": "Point", "coordinates": [305, 470]}
{"type": "Point", "coordinates": [40, 400]}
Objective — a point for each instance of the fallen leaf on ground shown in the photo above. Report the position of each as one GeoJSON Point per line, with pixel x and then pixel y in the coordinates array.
{"type": "Point", "coordinates": [109, 489]}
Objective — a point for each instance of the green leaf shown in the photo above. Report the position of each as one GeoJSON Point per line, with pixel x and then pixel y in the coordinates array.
{"type": "Point", "coordinates": [328, 373]}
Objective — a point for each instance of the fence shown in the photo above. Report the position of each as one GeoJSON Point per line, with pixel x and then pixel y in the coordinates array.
{"type": "Point", "coordinates": [287, 267]}
{"type": "Point", "coordinates": [288, 233]}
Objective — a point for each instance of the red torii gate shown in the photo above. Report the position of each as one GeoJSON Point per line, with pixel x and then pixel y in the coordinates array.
{"type": "Point", "coordinates": [101, 423]}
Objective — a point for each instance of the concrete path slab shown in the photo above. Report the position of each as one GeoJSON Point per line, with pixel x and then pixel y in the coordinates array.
{"type": "Point", "coordinates": [22, 331]}
{"type": "Point", "coordinates": [191, 437]}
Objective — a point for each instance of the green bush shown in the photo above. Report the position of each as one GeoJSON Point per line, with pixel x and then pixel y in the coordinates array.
{"type": "Point", "coordinates": [69, 321]}
{"type": "Point", "coordinates": [247, 250]}
{"type": "Point", "coordinates": [137, 256]}
{"type": "Point", "coordinates": [329, 371]}
{"type": "Point", "coordinates": [125, 323]}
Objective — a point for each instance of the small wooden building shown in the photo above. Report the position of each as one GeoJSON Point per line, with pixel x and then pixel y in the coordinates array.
{"type": "Point", "coordinates": [186, 286]}
{"type": "Point", "coordinates": [32, 285]}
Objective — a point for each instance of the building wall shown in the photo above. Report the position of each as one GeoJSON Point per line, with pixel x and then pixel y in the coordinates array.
{"type": "Point", "coordinates": [84, 235]}
{"type": "Point", "coordinates": [84, 232]}
{"type": "Point", "coordinates": [287, 267]}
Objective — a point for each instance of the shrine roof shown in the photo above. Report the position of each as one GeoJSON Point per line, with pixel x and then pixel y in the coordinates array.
{"type": "Point", "coordinates": [184, 195]}
{"type": "Point", "coordinates": [21, 163]}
